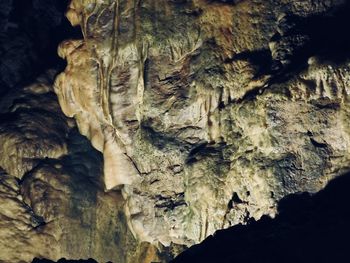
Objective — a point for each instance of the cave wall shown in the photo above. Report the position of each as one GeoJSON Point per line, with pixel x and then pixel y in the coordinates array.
{"type": "Point", "coordinates": [308, 228]}
{"type": "Point", "coordinates": [209, 112]}
{"type": "Point", "coordinates": [198, 115]}
{"type": "Point", "coordinates": [52, 199]}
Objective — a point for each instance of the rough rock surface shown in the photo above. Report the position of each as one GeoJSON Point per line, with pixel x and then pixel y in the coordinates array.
{"type": "Point", "coordinates": [209, 112]}
{"type": "Point", "coordinates": [206, 113]}
{"type": "Point", "coordinates": [52, 203]}
{"type": "Point", "coordinates": [301, 232]}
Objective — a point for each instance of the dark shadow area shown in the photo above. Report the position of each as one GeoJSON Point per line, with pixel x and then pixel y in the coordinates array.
{"type": "Point", "coordinates": [260, 59]}
{"type": "Point", "coordinates": [325, 36]}
{"type": "Point", "coordinates": [225, 1]}
{"type": "Point", "coordinates": [30, 32]}
{"type": "Point", "coordinates": [308, 228]}
{"type": "Point", "coordinates": [36, 260]}
{"type": "Point", "coordinates": [328, 33]}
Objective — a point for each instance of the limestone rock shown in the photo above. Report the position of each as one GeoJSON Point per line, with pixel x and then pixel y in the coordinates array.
{"type": "Point", "coordinates": [20, 227]}
{"type": "Point", "coordinates": [52, 203]}
{"type": "Point", "coordinates": [207, 112]}
{"type": "Point", "coordinates": [33, 128]}
{"type": "Point", "coordinates": [305, 222]}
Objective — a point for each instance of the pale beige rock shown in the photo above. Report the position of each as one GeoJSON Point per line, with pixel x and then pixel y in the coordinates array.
{"type": "Point", "coordinates": [35, 129]}
{"type": "Point", "coordinates": [58, 209]}
{"type": "Point", "coordinates": [200, 119]}
{"type": "Point", "coordinates": [22, 238]}
{"type": "Point", "coordinates": [176, 97]}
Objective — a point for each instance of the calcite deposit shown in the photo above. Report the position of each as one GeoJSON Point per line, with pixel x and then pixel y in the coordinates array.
{"type": "Point", "coordinates": [206, 113]}
{"type": "Point", "coordinates": [52, 203]}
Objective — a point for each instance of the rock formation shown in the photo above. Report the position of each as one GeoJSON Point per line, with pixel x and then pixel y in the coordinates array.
{"type": "Point", "coordinates": [207, 113]}
{"type": "Point", "coordinates": [308, 228]}
{"type": "Point", "coordinates": [52, 200]}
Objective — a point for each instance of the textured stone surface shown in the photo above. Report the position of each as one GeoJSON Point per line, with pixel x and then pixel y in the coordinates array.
{"type": "Point", "coordinates": [18, 240]}
{"type": "Point", "coordinates": [32, 129]}
{"type": "Point", "coordinates": [208, 112]}
{"type": "Point", "coordinates": [300, 232]}
{"type": "Point", "coordinates": [52, 203]}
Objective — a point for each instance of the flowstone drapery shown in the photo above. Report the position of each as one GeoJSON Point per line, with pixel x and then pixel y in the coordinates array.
{"type": "Point", "coordinates": [202, 117]}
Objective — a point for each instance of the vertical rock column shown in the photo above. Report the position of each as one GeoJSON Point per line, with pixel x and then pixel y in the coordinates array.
{"type": "Point", "coordinates": [103, 83]}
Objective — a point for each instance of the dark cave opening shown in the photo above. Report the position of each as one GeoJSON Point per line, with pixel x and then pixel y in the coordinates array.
{"type": "Point", "coordinates": [324, 39]}
{"type": "Point", "coordinates": [30, 32]}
